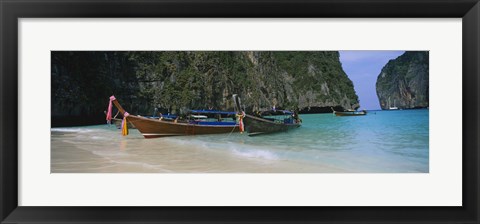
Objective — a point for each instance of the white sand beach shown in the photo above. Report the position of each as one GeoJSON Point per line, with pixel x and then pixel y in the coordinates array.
{"type": "Point", "coordinates": [96, 149]}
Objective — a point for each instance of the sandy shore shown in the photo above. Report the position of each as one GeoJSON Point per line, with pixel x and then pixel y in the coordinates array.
{"type": "Point", "coordinates": [106, 151]}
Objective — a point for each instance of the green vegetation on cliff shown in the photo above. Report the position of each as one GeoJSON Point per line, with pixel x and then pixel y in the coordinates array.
{"type": "Point", "coordinates": [176, 81]}
{"type": "Point", "coordinates": [403, 82]}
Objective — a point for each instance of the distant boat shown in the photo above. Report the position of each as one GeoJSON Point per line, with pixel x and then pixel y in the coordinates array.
{"type": "Point", "coordinates": [154, 128]}
{"type": "Point", "coordinates": [267, 121]}
{"type": "Point", "coordinates": [394, 107]}
{"type": "Point", "coordinates": [349, 113]}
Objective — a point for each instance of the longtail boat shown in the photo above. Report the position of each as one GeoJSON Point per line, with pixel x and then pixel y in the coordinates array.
{"type": "Point", "coordinates": [154, 128]}
{"type": "Point", "coordinates": [267, 121]}
{"type": "Point", "coordinates": [349, 113]}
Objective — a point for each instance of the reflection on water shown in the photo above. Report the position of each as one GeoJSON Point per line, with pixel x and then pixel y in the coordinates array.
{"type": "Point", "coordinates": [383, 141]}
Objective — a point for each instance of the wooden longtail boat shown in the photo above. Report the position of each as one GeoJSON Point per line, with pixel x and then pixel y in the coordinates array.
{"type": "Point", "coordinates": [349, 113]}
{"type": "Point", "coordinates": [154, 128]}
{"type": "Point", "coordinates": [268, 121]}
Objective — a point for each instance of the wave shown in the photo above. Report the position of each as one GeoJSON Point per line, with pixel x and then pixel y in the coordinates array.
{"type": "Point", "coordinates": [71, 130]}
{"type": "Point", "coordinates": [258, 154]}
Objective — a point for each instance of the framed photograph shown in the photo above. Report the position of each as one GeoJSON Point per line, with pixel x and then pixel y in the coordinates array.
{"type": "Point", "coordinates": [248, 112]}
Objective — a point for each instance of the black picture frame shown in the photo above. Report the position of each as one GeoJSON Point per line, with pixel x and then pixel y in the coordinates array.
{"type": "Point", "coordinates": [11, 11]}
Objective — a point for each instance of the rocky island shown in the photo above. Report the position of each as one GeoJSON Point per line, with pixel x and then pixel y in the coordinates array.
{"type": "Point", "coordinates": [403, 82]}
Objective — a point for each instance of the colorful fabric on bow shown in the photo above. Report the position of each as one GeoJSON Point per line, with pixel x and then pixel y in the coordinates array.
{"type": "Point", "coordinates": [109, 111]}
{"type": "Point", "coordinates": [124, 124]}
{"type": "Point", "coordinates": [240, 121]}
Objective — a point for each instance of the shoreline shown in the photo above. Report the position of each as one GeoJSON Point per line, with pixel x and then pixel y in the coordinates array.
{"type": "Point", "coordinates": [69, 157]}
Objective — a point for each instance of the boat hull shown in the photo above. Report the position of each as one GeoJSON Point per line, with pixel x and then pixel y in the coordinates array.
{"type": "Point", "coordinates": [151, 128]}
{"type": "Point", "coordinates": [256, 126]}
{"type": "Point", "coordinates": [341, 114]}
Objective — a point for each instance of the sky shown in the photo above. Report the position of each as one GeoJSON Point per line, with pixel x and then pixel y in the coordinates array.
{"type": "Point", "coordinates": [363, 68]}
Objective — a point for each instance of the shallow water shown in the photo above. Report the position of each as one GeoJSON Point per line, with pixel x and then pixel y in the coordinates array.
{"type": "Point", "coordinates": [382, 141]}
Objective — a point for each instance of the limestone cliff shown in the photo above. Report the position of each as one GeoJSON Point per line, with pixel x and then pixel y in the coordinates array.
{"type": "Point", "coordinates": [175, 81]}
{"type": "Point", "coordinates": [403, 82]}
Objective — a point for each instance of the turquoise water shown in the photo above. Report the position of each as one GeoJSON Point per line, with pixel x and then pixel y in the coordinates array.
{"type": "Point", "coordinates": [380, 142]}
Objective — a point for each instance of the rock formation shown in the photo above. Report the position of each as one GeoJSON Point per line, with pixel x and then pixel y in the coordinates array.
{"type": "Point", "coordinates": [403, 82]}
{"type": "Point", "coordinates": [175, 81]}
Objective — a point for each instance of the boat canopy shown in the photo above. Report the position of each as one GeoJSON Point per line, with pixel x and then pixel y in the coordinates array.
{"type": "Point", "coordinates": [212, 112]}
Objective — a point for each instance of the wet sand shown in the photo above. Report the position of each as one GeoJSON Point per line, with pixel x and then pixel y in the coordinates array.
{"type": "Point", "coordinates": [101, 149]}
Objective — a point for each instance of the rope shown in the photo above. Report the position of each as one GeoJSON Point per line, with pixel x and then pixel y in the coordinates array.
{"type": "Point", "coordinates": [116, 114]}
{"type": "Point", "coordinates": [233, 129]}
